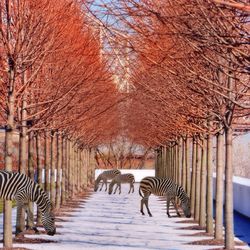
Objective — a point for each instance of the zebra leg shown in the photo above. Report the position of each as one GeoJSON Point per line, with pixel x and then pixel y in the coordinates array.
{"type": "Point", "coordinates": [175, 206]}
{"type": "Point", "coordinates": [146, 203]}
{"type": "Point", "coordinates": [31, 219]}
{"type": "Point", "coordinates": [133, 188]}
{"type": "Point", "coordinates": [168, 203]}
{"type": "Point", "coordinates": [106, 185]}
{"type": "Point", "coordinates": [101, 186]}
{"type": "Point", "coordinates": [20, 214]}
{"type": "Point", "coordinates": [142, 203]}
{"type": "Point", "coordinates": [120, 188]}
{"type": "Point", "coordinates": [129, 188]}
{"type": "Point", "coordinates": [116, 188]}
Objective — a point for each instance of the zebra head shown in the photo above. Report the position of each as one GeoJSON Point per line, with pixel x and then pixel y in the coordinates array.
{"type": "Point", "coordinates": [48, 220]}
{"type": "Point", "coordinates": [111, 185]}
{"type": "Point", "coordinates": [186, 207]}
{"type": "Point", "coordinates": [43, 203]}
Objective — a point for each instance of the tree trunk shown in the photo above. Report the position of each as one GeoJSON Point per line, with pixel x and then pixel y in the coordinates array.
{"type": "Point", "coordinates": [177, 162]}
{"type": "Point", "coordinates": [78, 174]}
{"type": "Point", "coordinates": [74, 164]}
{"type": "Point", "coordinates": [193, 183]}
{"type": "Point", "coordinates": [68, 171]}
{"type": "Point", "coordinates": [156, 162]}
{"type": "Point", "coordinates": [47, 165]}
{"type": "Point", "coordinates": [180, 161]}
{"type": "Point", "coordinates": [7, 237]}
{"type": "Point", "coordinates": [198, 183]}
{"type": "Point", "coordinates": [23, 159]}
{"type": "Point", "coordinates": [85, 182]}
{"type": "Point", "coordinates": [164, 165]}
{"type": "Point", "coordinates": [31, 172]}
{"type": "Point", "coordinates": [170, 161]}
{"type": "Point", "coordinates": [229, 223]}
{"type": "Point", "coordinates": [219, 188]}
{"type": "Point", "coordinates": [188, 181]}
{"type": "Point", "coordinates": [58, 171]}
{"type": "Point", "coordinates": [81, 170]}
{"type": "Point", "coordinates": [64, 157]}
{"type": "Point", "coordinates": [89, 167]}
{"type": "Point", "coordinates": [39, 174]}
{"type": "Point", "coordinates": [174, 163]}
{"type": "Point", "coordinates": [183, 164]}
{"type": "Point", "coordinates": [203, 190]}
{"type": "Point", "coordinates": [71, 164]}
{"type": "Point", "coordinates": [52, 169]}
{"type": "Point", "coordinates": [92, 166]}
{"type": "Point", "coordinates": [159, 162]}
{"type": "Point", "coordinates": [167, 161]}
{"type": "Point", "coordinates": [74, 169]}
{"type": "Point", "coordinates": [209, 223]}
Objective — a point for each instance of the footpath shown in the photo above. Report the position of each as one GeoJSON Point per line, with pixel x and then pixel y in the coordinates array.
{"type": "Point", "coordinates": [114, 222]}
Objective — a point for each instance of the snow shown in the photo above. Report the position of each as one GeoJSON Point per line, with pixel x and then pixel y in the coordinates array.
{"type": "Point", "coordinates": [113, 222]}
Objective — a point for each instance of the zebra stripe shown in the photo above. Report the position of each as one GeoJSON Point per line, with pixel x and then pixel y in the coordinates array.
{"type": "Point", "coordinates": [164, 187]}
{"type": "Point", "coordinates": [19, 187]}
{"type": "Point", "coordinates": [104, 177]}
{"type": "Point", "coordinates": [122, 178]}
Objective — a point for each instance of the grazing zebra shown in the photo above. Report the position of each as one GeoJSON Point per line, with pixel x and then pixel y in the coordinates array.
{"type": "Point", "coordinates": [122, 178]}
{"type": "Point", "coordinates": [19, 187]}
{"type": "Point", "coordinates": [164, 187]}
{"type": "Point", "coordinates": [104, 177]}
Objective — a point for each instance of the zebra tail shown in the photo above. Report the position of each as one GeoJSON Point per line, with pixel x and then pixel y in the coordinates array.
{"type": "Point", "coordinates": [140, 193]}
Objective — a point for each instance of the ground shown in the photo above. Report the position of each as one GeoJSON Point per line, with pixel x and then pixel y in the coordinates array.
{"type": "Point", "coordinates": [113, 222]}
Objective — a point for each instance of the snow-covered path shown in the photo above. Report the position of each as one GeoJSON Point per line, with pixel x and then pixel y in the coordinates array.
{"type": "Point", "coordinates": [113, 222]}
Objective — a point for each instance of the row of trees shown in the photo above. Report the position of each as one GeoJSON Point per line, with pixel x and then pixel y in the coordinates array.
{"type": "Point", "coordinates": [189, 161]}
{"type": "Point", "coordinates": [122, 153]}
{"type": "Point", "coordinates": [189, 80]}
{"type": "Point", "coordinates": [61, 166]}
{"type": "Point", "coordinates": [184, 71]}
{"type": "Point", "coordinates": [55, 87]}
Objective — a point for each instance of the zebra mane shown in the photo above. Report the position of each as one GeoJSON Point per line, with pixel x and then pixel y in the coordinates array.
{"type": "Point", "coordinates": [42, 198]}
{"type": "Point", "coordinates": [181, 194]}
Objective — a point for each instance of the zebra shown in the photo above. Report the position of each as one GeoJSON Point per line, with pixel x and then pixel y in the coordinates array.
{"type": "Point", "coordinates": [104, 177]}
{"type": "Point", "coordinates": [164, 187]}
{"type": "Point", "coordinates": [122, 178]}
{"type": "Point", "coordinates": [19, 187]}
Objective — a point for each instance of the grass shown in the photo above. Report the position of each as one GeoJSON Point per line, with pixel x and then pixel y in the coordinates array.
{"type": "Point", "coordinates": [1, 205]}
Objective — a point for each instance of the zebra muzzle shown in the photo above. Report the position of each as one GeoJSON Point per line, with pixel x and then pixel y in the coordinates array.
{"type": "Point", "coordinates": [51, 233]}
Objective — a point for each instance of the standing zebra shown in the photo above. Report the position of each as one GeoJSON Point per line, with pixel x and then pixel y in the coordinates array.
{"type": "Point", "coordinates": [19, 187]}
{"type": "Point", "coordinates": [164, 187]}
{"type": "Point", "coordinates": [104, 177]}
{"type": "Point", "coordinates": [122, 178]}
